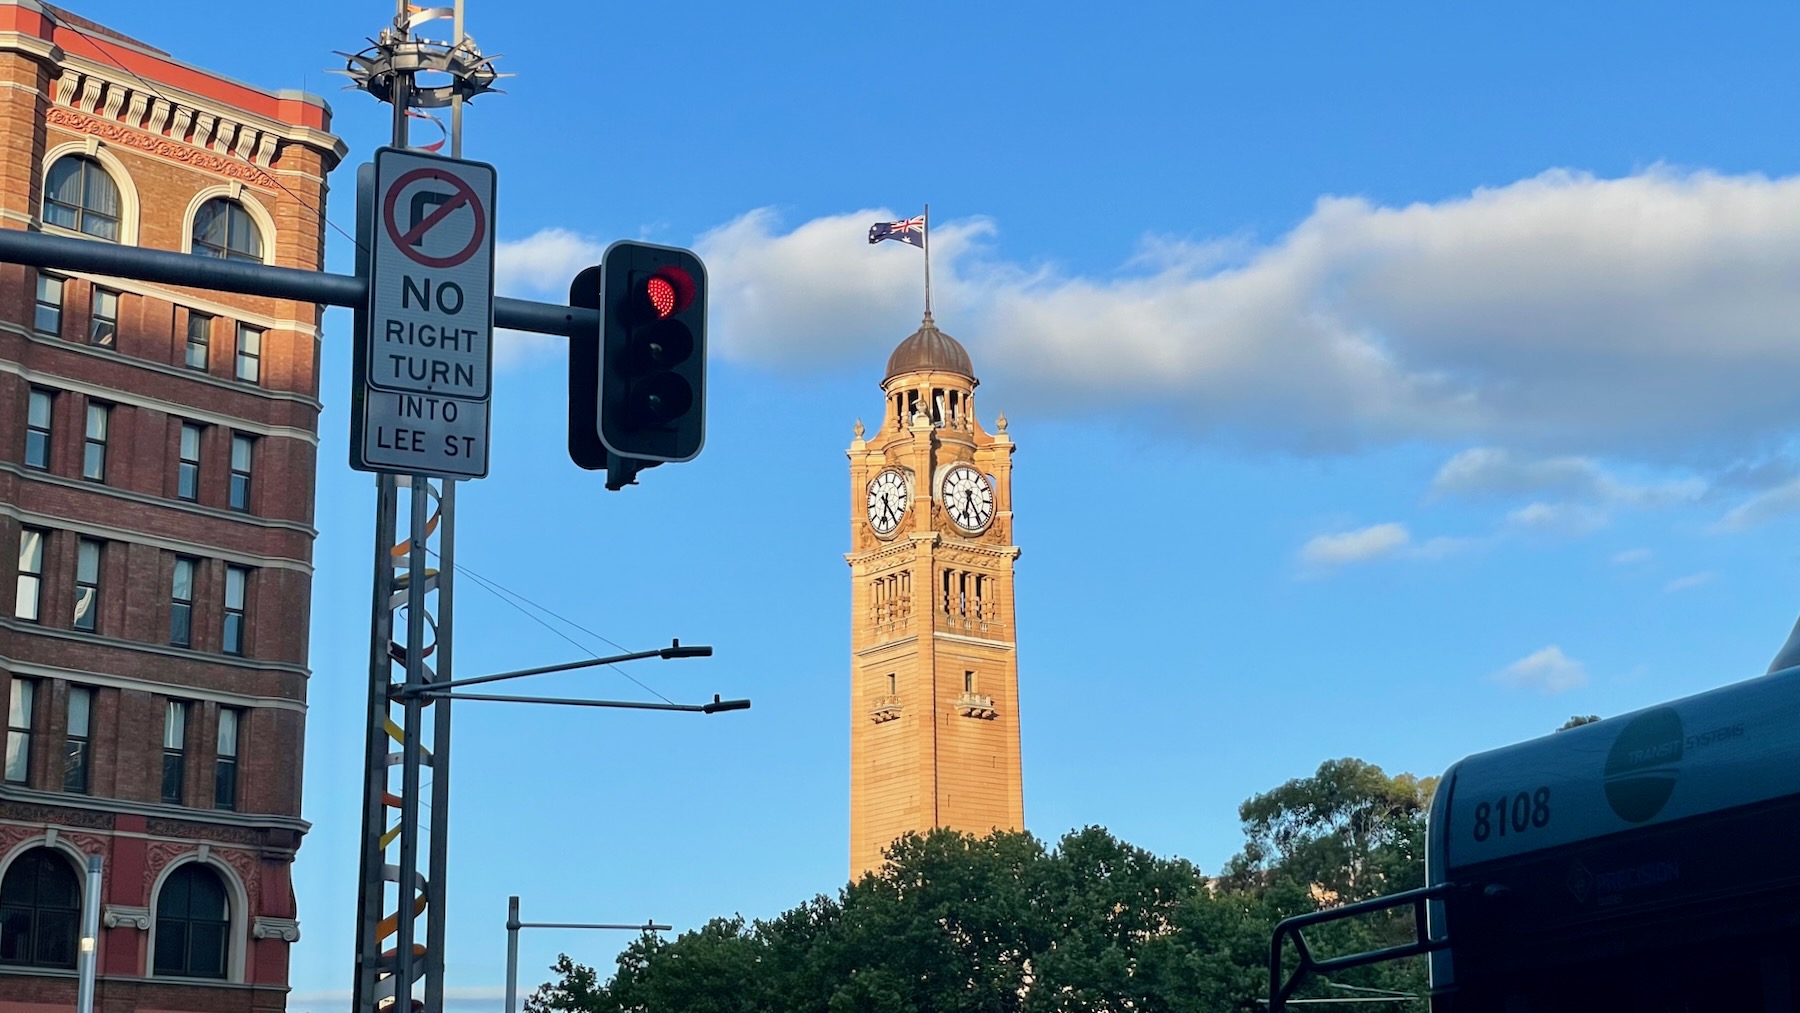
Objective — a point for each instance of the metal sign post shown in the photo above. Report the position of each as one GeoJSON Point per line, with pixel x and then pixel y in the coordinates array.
{"type": "Point", "coordinates": [422, 368]}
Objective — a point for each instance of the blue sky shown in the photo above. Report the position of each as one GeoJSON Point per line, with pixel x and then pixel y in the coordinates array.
{"type": "Point", "coordinates": [1389, 381]}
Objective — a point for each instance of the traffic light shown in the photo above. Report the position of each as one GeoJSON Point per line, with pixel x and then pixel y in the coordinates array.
{"type": "Point", "coordinates": [652, 399]}
{"type": "Point", "coordinates": [637, 390]}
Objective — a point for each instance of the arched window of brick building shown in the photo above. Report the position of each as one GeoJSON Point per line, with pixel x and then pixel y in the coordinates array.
{"type": "Point", "coordinates": [80, 196]}
{"type": "Point", "coordinates": [193, 921]}
{"type": "Point", "coordinates": [40, 910]}
{"type": "Point", "coordinates": [224, 229]}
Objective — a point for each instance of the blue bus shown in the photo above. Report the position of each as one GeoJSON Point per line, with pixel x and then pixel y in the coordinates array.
{"type": "Point", "coordinates": [1647, 863]}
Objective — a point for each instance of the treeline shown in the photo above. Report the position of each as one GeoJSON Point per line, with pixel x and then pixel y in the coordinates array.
{"type": "Point", "coordinates": [956, 924]}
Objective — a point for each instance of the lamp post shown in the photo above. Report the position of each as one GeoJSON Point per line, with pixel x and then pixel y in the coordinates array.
{"type": "Point", "coordinates": [513, 925]}
{"type": "Point", "coordinates": [90, 938]}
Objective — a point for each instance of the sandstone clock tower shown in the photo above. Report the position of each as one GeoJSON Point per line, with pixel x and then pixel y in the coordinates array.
{"type": "Point", "coordinates": [934, 676]}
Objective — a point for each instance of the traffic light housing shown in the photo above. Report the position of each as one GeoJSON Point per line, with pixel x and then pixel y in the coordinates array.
{"type": "Point", "coordinates": [637, 389]}
{"type": "Point", "coordinates": [652, 402]}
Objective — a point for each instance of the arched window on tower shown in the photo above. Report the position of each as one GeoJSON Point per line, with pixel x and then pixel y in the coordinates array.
{"type": "Point", "coordinates": [81, 197]}
{"type": "Point", "coordinates": [224, 229]}
{"type": "Point", "coordinates": [193, 922]}
{"type": "Point", "coordinates": [40, 910]}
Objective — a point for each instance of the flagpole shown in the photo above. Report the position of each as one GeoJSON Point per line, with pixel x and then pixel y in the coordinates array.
{"type": "Point", "coordinates": [928, 261]}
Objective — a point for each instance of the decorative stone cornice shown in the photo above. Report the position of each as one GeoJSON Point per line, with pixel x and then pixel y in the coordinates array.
{"type": "Point", "coordinates": [163, 147]}
{"type": "Point", "coordinates": [20, 42]}
{"type": "Point", "coordinates": [963, 638]}
{"type": "Point", "coordinates": [192, 129]}
{"type": "Point", "coordinates": [899, 548]}
{"type": "Point", "coordinates": [97, 812]}
{"type": "Point", "coordinates": [958, 550]}
{"type": "Point", "coordinates": [888, 646]}
{"type": "Point", "coordinates": [115, 916]}
{"type": "Point", "coordinates": [285, 929]}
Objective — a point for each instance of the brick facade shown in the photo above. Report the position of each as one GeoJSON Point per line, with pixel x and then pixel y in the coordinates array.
{"type": "Point", "coordinates": [169, 138]}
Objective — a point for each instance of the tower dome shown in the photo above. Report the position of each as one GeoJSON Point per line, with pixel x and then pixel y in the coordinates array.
{"type": "Point", "coordinates": [930, 350]}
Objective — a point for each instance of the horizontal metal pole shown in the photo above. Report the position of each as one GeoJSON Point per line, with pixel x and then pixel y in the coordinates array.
{"type": "Point", "coordinates": [646, 927]}
{"type": "Point", "coordinates": [36, 249]}
{"type": "Point", "coordinates": [702, 708]}
{"type": "Point", "coordinates": [544, 317]}
{"type": "Point", "coordinates": [673, 651]}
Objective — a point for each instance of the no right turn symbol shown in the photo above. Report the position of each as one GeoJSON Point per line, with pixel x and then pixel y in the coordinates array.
{"type": "Point", "coordinates": [434, 217]}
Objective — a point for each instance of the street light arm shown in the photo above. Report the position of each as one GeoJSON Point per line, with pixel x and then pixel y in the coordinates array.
{"type": "Point", "coordinates": [513, 925]}
{"type": "Point", "coordinates": [674, 650]}
{"type": "Point", "coordinates": [646, 927]}
{"type": "Point", "coordinates": [696, 708]}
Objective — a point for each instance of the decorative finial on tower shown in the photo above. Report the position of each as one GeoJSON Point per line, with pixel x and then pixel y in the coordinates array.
{"type": "Point", "coordinates": [1000, 422]}
{"type": "Point", "coordinates": [859, 429]}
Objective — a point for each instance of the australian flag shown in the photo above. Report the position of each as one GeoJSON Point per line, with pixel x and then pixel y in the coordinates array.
{"type": "Point", "coordinates": [911, 231]}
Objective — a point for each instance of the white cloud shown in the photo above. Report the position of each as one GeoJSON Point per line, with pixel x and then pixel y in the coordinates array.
{"type": "Point", "coordinates": [1356, 546]}
{"type": "Point", "coordinates": [1560, 518]}
{"type": "Point", "coordinates": [1649, 316]}
{"type": "Point", "coordinates": [1630, 557]}
{"type": "Point", "coordinates": [1492, 471]}
{"type": "Point", "coordinates": [538, 267]}
{"type": "Point", "coordinates": [820, 293]}
{"type": "Point", "coordinates": [1548, 671]}
{"type": "Point", "coordinates": [1441, 546]}
{"type": "Point", "coordinates": [543, 263]}
{"type": "Point", "coordinates": [1691, 580]}
{"type": "Point", "coordinates": [1762, 508]}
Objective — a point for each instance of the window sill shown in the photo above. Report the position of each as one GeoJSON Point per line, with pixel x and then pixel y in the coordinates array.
{"type": "Point", "coordinates": [177, 979]}
{"type": "Point", "coordinates": [171, 370]}
{"type": "Point", "coordinates": [21, 970]}
{"type": "Point", "coordinates": [51, 229]}
{"type": "Point", "coordinates": [240, 516]}
{"type": "Point", "coordinates": [187, 654]}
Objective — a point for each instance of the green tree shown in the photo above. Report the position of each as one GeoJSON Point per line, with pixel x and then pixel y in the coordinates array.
{"type": "Point", "coordinates": [1349, 832]}
{"type": "Point", "coordinates": [1000, 924]}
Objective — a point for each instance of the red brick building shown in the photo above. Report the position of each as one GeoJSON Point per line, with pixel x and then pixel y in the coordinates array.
{"type": "Point", "coordinates": [157, 451]}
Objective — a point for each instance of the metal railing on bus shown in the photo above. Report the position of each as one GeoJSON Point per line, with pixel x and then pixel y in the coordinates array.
{"type": "Point", "coordinates": [1281, 992]}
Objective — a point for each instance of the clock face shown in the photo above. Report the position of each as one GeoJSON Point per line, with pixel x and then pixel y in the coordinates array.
{"type": "Point", "coordinates": [968, 498]}
{"type": "Point", "coordinates": [887, 501]}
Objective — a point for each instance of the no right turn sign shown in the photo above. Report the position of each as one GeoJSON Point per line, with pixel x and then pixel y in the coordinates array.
{"type": "Point", "coordinates": [425, 345]}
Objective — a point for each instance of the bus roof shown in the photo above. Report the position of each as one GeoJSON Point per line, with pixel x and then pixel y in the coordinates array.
{"type": "Point", "coordinates": [1728, 747]}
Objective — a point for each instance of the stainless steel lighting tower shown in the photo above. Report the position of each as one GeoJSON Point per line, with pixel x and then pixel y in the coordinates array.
{"type": "Point", "coordinates": [392, 955]}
